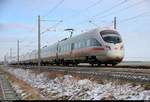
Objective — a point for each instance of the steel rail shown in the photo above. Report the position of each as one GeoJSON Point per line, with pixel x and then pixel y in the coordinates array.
{"type": "Point", "coordinates": [7, 91]}
{"type": "Point", "coordinates": [4, 97]}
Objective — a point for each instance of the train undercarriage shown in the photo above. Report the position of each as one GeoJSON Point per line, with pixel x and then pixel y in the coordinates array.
{"type": "Point", "coordinates": [92, 60]}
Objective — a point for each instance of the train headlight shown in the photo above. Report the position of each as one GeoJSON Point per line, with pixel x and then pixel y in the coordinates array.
{"type": "Point", "coordinates": [121, 47]}
{"type": "Point", "coordinates": [108, 47]}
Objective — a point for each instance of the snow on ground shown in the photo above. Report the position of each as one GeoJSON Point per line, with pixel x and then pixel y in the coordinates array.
{"type": "Point", "coordinates": [67, 87]}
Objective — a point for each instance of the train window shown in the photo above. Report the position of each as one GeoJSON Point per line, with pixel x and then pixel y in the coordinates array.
{"type": "Point", "coordinates": [65, 48]}
{"type": "Point", "coordinates": [62, 48]}
{"type": "Point", "coordinates": [75, 45]}
{"type": "Point", "coordinates": [59, 49]}
{"type": "Point", "coordinates": [112, 39]}
{"type": "Point", "coordinates": [68, 47]}
{"type": "Point", "coordinates": [84, 43]}
{"type": "Point", "coordinates": [88, 42]}
{"type": "Point", "coordinates": [72, 46]}
{"type": "Point", "coordinates": [105, 32]}
{"type": "Point", "coordinates": [94, 42]}
{"type": "Point", "coordinates": [79, 45]}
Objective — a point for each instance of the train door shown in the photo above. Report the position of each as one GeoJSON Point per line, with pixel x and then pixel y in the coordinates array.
{"type": "Point", "coordinates": [57, 51]}
{"type": "Point", "coordinates": [72, 48]}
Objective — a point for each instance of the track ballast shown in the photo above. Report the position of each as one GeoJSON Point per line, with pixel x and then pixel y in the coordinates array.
{"type": "Point", "coordinates": [133, 74]}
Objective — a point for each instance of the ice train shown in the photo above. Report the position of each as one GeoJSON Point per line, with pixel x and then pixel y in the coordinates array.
{"type": "Point", "coordinates": [97, 46]}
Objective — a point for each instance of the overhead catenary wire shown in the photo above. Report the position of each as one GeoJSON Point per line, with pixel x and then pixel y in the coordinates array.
{"type": "Point", "coordinates": [123, 9]}
{"type": "Point", "coordinates": [32, 43]}
{"type": "Point", "coordinates": [129, 19]}
{"type": "Point", "coordinates": [132, 18]}
{"type": "Point", "coordinates": [84, 10]}
{"type": "Point", "coordinates": [103, 12]}
{"type": "Point", "coordinates": [137, 16]}
{"type": "Point", "coordinates": [54, 8]}
{"type": "Point", "coordinates": [147, 13]}
{"type": "Point", "coordinates": [91, 6]}
{"type": "Point", "coordinates": [118, 11]}
{"type": "Point", "coordinates": [54, 26]}
{"type": "Point", "coordinates": [111, 8]}
{"type": "Point", "coordinates": [94, 4]}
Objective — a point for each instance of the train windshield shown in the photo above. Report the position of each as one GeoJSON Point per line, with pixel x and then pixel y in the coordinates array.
{"type": "Point", "coordinates": [111, 36]}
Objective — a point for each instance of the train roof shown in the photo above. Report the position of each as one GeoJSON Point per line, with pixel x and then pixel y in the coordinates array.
{"type": "Point", "coordinates": [89, 32]}
{"type": "Point", "coordinates": [84, 33]}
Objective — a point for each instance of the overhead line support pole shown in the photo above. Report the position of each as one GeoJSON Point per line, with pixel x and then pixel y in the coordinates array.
{"type": "Point", "coordinates": [115, 22]}
{"type": "Point", "coordinates": [10, 54]}
{"type": "Point", "coordinates": [18, 52]}
{"type": "Point", "coordinates": [39, 43]}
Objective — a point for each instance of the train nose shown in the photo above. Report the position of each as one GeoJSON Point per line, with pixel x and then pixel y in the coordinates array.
{"type": "Point", "coordinates": [115, 52]}
{"type": "Point", "coordinates": [115, 55]}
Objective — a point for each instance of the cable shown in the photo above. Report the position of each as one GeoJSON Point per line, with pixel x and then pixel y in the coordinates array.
{"type": "Point", "coordinates": [84, 10]}
{"type": "Point", "coordinates": [55, 7]}
{"type": "Point", "coordinates": [93, 5]}
{"type": "Point", "coordinates": [124, 1]}
{"type": "Point", "coordinates": [52, 27]}
{"type": "Point", "coordinates": [115, 6]}
{"type": "Point", "coordinates": [131, 18]}
{"type": "Point", "coordinates": [140, 15]}
{"type": "Point", "coordinates": [33, 42]}
{"type": "Point", "coordinates": [125, 8]}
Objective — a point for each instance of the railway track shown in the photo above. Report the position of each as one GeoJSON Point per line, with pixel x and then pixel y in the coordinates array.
{"type": "Point", "coordinates": [6, 91]}
{"type": "Point", "coordinates": [89, 66]}
{"type": "Point", "coordinates": [133, 74]}
{"type": "Point", "coordinates": [125, 75]}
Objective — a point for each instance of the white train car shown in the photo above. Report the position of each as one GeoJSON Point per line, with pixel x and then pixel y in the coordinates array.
{"type": "Point", "coordinates": [97, 46]}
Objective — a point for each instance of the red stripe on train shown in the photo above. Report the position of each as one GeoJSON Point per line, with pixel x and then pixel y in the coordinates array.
{"type": "Point", "coordinates": [97, 49]}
